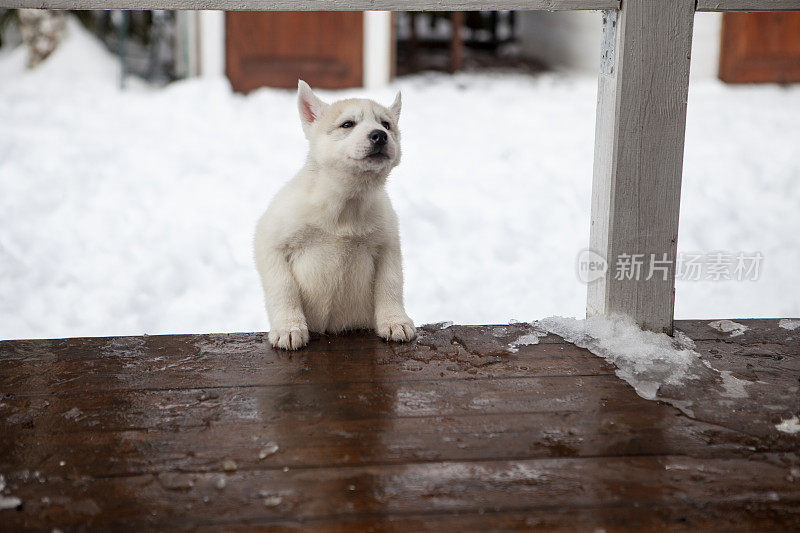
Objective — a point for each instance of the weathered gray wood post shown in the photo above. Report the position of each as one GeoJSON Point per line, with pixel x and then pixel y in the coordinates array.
{"type": "Point", "coordinates": [641, 118]}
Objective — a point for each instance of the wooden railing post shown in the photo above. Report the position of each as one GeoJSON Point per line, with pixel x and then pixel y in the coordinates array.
{"type": "Point", "coordinates": [641, 118]}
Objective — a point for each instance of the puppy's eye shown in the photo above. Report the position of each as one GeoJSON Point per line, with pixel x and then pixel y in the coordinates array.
{"type": "Point", "coordinates": [348, 124]}
{"type": "Point", "coordinates": [386, 125]}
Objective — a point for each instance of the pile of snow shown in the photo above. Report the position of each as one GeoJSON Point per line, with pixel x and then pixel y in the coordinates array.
{"type": "Point", "coordinates": [528, 339]}
{"type": "Point", "coordinates": [7, 502]}
{"type": "Point", "coordinates": [130, 212]}
{"type": "Point", "coordinates": [644, 359]}
{"type": "Point", "coordinates": [789, 324]}
{"type": "Point", "coordinates": [733, 386]}
{"type": "Point", "coordinates": [790, 425]}
{"type": "Point", "coordinates": [728, 326]}
{"type": "Point", "coordinates": [80, 60]}
{"type": "Point", "coordinates": [660, 367]}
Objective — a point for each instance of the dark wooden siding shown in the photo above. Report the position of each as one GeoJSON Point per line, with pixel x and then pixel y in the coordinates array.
{"type": "Point", "coordinates": [760, 47]}
{"type": "Point", "coordinates": [274, 49]}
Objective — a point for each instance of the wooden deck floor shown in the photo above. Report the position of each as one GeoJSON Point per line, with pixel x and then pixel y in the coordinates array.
{"type": "Point", "coordinates": [453, 432]}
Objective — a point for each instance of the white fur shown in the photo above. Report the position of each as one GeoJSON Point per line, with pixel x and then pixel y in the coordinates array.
{"type": "Point", "coordinates": [328, 247]}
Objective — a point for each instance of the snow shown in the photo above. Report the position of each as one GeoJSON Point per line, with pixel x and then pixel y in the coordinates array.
{"type": "Point", "coordinates": [272, 501]}
{"type": "Point", "coordinates": [669, 369]}
{"type": "Point", "coordinates": [131, 212]}
{"type": "Point", "coordinates": [7, 502]}
{"type": "Point", "coordinates": [790, 425]}
{"type": "Point", "coordinates": [524, 340]}
{"type": "Point", "coordinates": [791, 325]}
{"type": "Point", "coordinates": [733, 386]}
{"type": "Point", "coordinates": [73, 414]}
{"type": "Point", "coordinates": [270, 449]}
{"type": "Point", "coordinates": [644, 359]}
{"type": "Point", "coordinates": [728, 326]}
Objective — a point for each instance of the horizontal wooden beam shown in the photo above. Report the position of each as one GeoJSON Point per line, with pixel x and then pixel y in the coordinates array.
{"type": "Point", "coordinates": [320, 5]}
{"type": "Point", "coordinates": [748, 5]}
{"type": "Point", "coordinates": [387, 5]}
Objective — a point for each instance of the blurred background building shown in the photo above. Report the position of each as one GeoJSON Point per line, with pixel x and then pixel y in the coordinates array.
{"type": "Point", "coordinates": [351, 49]}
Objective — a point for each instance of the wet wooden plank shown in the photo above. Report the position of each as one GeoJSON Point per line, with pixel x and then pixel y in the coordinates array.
{"type": "Point", "coordinates": [701, 516]}
{"type": "Point", "coordinates": [175, 362]}
{"type": "Point", "coordinates": [760, 387]}
{"type": "Point", "coordinates": [759, 330]}
{"type": "Point", "coordinates": [304, 443]}
{"type": "Point", "coordinates": [184, 408]}
{"type": "Point", "coordinates": [176, 499]}
{"type": "Point", "coordinates": [476, 339]}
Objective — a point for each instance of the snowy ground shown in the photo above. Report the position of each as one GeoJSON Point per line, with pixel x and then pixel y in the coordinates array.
{"type": "Point", "coordinates": [132, 212]}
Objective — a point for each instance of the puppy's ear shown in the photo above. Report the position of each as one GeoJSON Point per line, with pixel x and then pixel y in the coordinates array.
{"type": "Point", "coordinates": [396, 105]}
{"type": "Point", "coordinates": [310, 107]}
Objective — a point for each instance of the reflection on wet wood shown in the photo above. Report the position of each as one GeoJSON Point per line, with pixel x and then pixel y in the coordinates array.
{"type": "Point", "coordinates": [467, 428]}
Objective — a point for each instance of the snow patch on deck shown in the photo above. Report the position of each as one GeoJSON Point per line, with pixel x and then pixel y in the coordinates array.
{"type": "Point", "coordinates": [524, 340]}
{"type": "Point", "coordinates": [657, 366]}
{"type": "Point", "coordinates": [7, 502]}
{"type": "Point", "coordinates": [644, 359]}
{"type": "Point", "coordinates": [789, 324]}
{"type": "Point", "coordinates": [728, 326]}
{"type": "Point", "coordinates": [790, 425]}
{"type": "Point", "coordinates": [734, 387]}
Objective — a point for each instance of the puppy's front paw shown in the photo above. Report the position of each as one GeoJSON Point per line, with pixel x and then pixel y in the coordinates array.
{"type": "Point", "coordinates": [396, 329]}
{"type": "Point", "coordinates": [290, 337]}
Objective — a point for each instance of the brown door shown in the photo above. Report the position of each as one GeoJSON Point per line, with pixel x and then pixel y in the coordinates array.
{"type": "Point", "coordinates": [274, 49]}
{"type": "Point", "coordinates": [760, 47]}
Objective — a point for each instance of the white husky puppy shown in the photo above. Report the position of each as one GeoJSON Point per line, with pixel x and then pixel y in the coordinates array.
{"type": "Point", "coordinates": [328, 248]}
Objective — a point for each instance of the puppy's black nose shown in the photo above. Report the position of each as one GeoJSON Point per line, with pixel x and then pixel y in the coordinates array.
{"type": "Point", "coordinates": [378, 137]}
